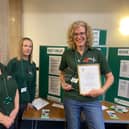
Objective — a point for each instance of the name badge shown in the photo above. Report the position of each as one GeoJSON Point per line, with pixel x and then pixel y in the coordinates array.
{"type": "Point", "coordinates": [23, 89]}
{"type": "Point", "coordinates": [30, 73]}
{"type": "Point", "coordinates": [74, 80]}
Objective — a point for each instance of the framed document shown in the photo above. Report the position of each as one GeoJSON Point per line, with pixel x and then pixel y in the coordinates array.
{"type": "Point", "coordinates": [89, 77]}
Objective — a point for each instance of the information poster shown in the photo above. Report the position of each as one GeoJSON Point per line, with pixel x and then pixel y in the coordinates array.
{"type": "Point", "coordinates": [49, 82]}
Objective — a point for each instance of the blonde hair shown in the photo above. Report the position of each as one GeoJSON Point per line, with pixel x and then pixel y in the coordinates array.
{"type": "Point", "coordinates": [88, 33]}
{"type": "Point", "coordinates": [20, 56]}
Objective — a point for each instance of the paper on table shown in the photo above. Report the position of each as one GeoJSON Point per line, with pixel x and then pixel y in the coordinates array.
{"type": "Point", "coordinates": [58, 105]}
{"type": "Point", "coordinates": [39, 103]}
{"type": "Point", "coordinates": [104, 107]}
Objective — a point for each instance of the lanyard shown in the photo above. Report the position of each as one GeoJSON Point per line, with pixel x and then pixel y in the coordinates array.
{"type": "Point", "coordinates": [7, 100]}
{"type": "Point", "coordinates": [28, 70]}
{"type": "Point", "coordinates": [22, 69]}
{"type": "Point", "coordinates": [5, 86]}
{"type": "Point", "coordinates": [78, 60]}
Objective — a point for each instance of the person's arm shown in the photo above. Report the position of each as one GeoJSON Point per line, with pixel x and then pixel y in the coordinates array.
{"type": "Point", "coordinates": [64, 85]}
{"type": "Point", "coordinates": [32, 89]}
{"type": "Point", "coordinates": [14, 112]}
{"type": "Point", "coordinates": [33, 86]}
{"type": "Point", "coordinates": [2, 118]}
{"type": "Point", "coordinates": [5, 120]}
{"type": "Point", "coordinates": [11, 66]}
{"type": "Point", "coordinates": [109, 78]}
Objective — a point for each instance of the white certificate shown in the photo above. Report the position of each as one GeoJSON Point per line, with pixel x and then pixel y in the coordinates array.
{"type": "Point", "coordinates": [89, 77]}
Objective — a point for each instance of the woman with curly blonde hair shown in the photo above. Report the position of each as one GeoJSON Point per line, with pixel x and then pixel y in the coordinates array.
{"type": "Point", "coordinates": [80, 51]}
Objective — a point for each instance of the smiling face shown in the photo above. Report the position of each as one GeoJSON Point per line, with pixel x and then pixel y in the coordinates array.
{"type": "Point", "coordinates": [79, 37]}
{"type": "Point", "coordinates": [27, 48]}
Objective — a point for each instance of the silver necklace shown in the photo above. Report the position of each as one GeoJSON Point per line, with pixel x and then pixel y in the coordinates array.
{"type": "Point", "coordinates": [78, 59]}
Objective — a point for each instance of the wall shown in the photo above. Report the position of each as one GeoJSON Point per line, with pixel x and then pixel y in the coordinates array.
{"type": "Point", "coordinates": [4, 31]}
{"type": "Point", "coordinates": [10, 28]}
{"type": "Point", "coordinates": [46, 22]}
{"type": "Point", "coordinates": [15, 26]}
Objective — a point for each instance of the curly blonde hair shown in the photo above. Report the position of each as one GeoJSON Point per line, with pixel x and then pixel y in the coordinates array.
{"type": "Point", "coordinates": [88, 34]}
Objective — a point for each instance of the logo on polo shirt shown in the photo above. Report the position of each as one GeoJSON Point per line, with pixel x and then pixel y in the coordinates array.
{"type": "Point", "coordinates": [89, 59]}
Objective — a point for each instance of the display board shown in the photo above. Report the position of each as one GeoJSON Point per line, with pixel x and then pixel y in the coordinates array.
{"type": "Point", "coordinates": [49, 83]}
{"type": "Point", "coordinates": [99, 37]}
{"type": "Point", "coordinates": [119, 62]}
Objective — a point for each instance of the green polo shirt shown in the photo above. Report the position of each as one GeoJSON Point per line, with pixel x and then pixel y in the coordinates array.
{"type": "Point", "coordinates": [71, 59]}
{"type": "Point", "coordinates": [24, 73]}
{"type": "Point", "coordinates": [8, 89]}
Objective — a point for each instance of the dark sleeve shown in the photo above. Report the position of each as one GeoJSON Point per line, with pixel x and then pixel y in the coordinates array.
{"type": "Point", "coordinates": [11, 67]}
{"type": "Point", "coordinates": [3, 68]}
{"type": "Point", "coordinates": [33, 86]}
{"type": "Point", "coordinates": [15, 84]}
{"type": "Point", "coordinates": [63, 63]}
{"type": "Point", "coordinates": [104, 66]}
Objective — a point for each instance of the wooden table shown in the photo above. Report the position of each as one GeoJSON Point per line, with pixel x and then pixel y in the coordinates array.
{"type": "Point", "coordinates": [57, 114]}
{"type": "Point", "coordinates": [123, 117]}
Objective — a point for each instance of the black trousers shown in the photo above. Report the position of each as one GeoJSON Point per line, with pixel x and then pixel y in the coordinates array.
{"type": "Point", "coordinates": [22, 108]}
{"type": "Point", "coordinates": [12, 127]}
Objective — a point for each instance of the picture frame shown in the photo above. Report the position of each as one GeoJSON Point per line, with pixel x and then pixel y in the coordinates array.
{"type": "Point", "coordinates": [89, 77]}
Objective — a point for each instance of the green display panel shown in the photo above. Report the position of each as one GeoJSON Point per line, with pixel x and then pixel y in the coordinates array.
{"type": "Point", "coordinates": [43, 72]}
{"type": "Point", "coordinates": [103, 37]}
{"type": "Point", "coordinates": [49, 84]}
{"type": "Point", "coordinates": [119, 62]}
{"type": "Point", "coordinates": [99, 37]}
